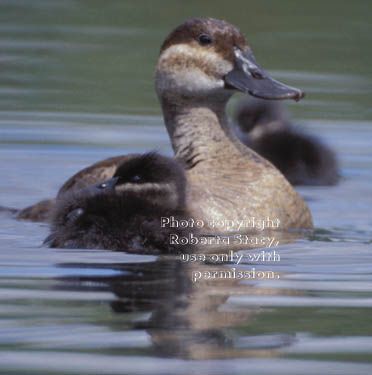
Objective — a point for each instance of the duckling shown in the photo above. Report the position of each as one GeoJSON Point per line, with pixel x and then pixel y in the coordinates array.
{"type": "Point", "coordinates": [303, 158]}
{"type": "Point", "coordinates": [202, 63]}
{"type": "Point", "coordinates": [126, 211]}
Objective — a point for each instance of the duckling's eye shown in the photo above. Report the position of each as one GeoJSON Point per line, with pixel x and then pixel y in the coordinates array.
{"type": "Point", "coordinates": [136, 179]}
{"type": "Point", "coordinates": [204, 39]}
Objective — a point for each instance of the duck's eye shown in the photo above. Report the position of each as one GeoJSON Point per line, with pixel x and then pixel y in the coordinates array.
{"type": "Point", "coordinates": [204, 39]}
{"type": "Point", "coordinates": [102, 186]}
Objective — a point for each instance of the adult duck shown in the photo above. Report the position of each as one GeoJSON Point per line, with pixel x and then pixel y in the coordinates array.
{"type": "Point", "coordinates": [202, 63]}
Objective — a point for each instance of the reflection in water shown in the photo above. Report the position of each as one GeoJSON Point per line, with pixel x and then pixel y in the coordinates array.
{"type": "Point", "coordinates": [186, 319]}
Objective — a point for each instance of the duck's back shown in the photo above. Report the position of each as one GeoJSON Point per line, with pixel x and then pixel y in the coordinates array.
{"type": "Point", "coordinates": [95, 173]}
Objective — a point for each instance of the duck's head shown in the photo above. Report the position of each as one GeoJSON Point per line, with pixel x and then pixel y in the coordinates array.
{"type": "Point", "coordinates": [152, 177]}
{"type": "Point", "coordinates": [209, 58]}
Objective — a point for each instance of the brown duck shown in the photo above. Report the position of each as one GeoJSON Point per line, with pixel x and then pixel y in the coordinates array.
{"type": "Point", "coordinates": [202, 63]}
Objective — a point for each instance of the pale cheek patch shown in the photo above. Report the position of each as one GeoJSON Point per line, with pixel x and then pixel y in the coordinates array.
{"type": "Point", "coordinates": [199, 56]}
{"type": "Point", "coordinates": [138, 187]}
{"type": "Point", "coordinates": [156, 193]}
{"type": "Point", "coordinates": [193, 69]}
{"type": "Point", "coordinates": [196, 81]}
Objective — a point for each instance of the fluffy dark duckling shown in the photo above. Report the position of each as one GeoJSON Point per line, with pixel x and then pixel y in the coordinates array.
{"type": "Point", "coordinates": [303, 159]}
{"type": "Point", "coordinates": [124, 212]}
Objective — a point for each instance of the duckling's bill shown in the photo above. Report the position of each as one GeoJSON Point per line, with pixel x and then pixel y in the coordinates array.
{"type": "Point", "coordinates": [248, 77]}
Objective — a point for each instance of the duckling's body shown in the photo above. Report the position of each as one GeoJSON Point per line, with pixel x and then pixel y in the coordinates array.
{"type": "Point", "coordinates": [303, 159]}
{"type": "Point", "coordinates": [125, 212]}
{"type": "Point", "coordinates": [201, 64]}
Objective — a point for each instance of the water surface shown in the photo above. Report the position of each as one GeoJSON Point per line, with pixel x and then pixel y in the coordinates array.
{"type": "Point", "coordinates": [76, 86]}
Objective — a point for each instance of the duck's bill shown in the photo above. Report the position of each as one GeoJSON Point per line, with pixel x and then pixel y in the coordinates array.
{"type": "Point", "coordinates": [250, 78]}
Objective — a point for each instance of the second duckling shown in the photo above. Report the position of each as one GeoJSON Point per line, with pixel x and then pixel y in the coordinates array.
{"type": "Point", "coordinates": [125, 212]}
{"type": "Point", "coordinates": [303, 158]}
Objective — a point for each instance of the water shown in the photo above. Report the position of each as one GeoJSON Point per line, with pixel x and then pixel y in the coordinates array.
{"type": "Point", "coordinates": [76, 87]}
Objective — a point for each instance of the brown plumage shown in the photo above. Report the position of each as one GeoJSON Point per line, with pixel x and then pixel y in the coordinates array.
{"type": "Point", "coordinates": [201, 64]}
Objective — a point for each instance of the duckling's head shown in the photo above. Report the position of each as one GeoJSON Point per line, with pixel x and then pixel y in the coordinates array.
{"type": "Point", "coordinates": [111, 214]}
{"type": "Point", "coordinates": [258, 117]}
{"type": "Point", "coordinates": [209, 59]}
{"type": "Point", "coordinates": [150, 177]}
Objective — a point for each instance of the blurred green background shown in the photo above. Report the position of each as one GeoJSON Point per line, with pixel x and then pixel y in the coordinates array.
{"type": "Point", "coordinates": [99, 56]}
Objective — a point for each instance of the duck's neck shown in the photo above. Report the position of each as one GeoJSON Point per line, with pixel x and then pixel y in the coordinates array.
{"type": "Point", "coordinates": [199, 132]}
